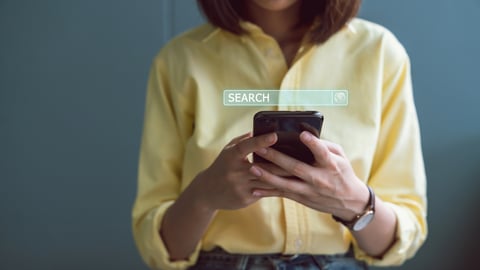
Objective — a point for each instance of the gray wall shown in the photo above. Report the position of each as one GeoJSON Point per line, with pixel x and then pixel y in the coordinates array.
{"type": "Point", "coordinates": [72, 88]}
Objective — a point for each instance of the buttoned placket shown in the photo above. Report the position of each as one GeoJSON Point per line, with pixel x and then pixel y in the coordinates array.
{"type": "Point", "coordinates": [288, 78]}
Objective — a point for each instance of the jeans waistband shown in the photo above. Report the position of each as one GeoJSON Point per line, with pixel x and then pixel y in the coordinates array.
{"type": "Point", "coordinates": [220, 259]}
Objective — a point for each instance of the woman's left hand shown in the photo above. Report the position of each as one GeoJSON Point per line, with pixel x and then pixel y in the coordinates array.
{"type": "Point", "coordinates": [328, 185]}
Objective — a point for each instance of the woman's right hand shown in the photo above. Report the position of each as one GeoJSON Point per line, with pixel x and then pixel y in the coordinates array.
{"type": "Point", "coordinates": [228, 184]}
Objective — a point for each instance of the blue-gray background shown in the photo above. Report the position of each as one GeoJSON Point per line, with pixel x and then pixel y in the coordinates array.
{"type": "Point", "coordinates": [72, 89]}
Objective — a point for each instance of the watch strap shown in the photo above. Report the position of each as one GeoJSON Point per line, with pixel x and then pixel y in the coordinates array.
{"type": "Point", "coordinates": [370, 208]}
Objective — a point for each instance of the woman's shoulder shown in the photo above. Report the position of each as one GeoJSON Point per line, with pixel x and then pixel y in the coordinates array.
{"type": "Point", "coordinates": [189, 40]}
{"type": "Point", "coordinates": [368, 39]}
{"type": "Point", "coordinates": [373, 34]}
{"type": "Point", "coordinates": [197, 34]}
{"type": "Point", "coordinates": [371, 29]}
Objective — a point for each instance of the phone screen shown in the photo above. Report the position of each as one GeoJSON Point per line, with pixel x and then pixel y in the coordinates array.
{"type": "Point", "coordinates": [288, 125]}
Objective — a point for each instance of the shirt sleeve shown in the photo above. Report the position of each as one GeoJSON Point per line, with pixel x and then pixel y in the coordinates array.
{"type": "Point", "coordinates": [167, 126]}
{"type": "Point", "coordinates": [398, 174]}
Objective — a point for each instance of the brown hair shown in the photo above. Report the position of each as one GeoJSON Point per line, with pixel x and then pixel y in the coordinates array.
{"type": "Point", "coordinates": [332, 15]}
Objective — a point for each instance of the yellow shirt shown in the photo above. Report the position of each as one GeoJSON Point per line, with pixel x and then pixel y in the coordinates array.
{"type": "Point", "coordinates": [186, 126]}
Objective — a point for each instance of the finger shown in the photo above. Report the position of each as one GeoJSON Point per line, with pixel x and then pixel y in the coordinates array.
{"type": "Point", "coordinates": [238, 139]}
{"type": "Point", "coordinates": [282, 184]}
{"type": "Point", "coordinates": [263, 193]}
{"type": "Point", "coordinates": [287, 163]}
{"type": "Point", "coordinates": [318, 147]}
{"type": "Point", "coordinates": [274, 169]}
{"type": "Point", "coordinates": [253, 144]}
{"type": "Point", "coordinates": [334, 148]}
{"type": "Point", "coordinates": [257, 184]}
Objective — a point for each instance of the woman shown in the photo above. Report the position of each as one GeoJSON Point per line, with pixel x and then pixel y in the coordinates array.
{"type": "Point", "coordinates": [203, 204]}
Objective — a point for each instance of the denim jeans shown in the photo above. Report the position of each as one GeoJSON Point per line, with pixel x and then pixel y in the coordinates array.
{"type": "Point", "coordinates": [218, 259]}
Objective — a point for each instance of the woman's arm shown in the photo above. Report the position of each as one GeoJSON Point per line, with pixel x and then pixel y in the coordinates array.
{"type": "Point", "coordinates": [331, 186]}
{"type": "Point", "coordinates": [226, 184]}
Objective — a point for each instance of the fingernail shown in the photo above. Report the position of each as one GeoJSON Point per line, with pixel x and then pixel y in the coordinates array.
{"type": "Point", "coordinates": [255, 171]}
{"type": "Point", "coordinates": [271, 138]}
{"type": "Point", "coordinates": [307, 136]}
{"type": "Point", "coordinates": [262, 151]}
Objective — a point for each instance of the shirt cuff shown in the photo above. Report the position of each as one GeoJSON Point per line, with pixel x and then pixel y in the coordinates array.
{"type": "Point", "coordinates": [410, 234]}
{"type": "Point", "coordinates": [155, 253]}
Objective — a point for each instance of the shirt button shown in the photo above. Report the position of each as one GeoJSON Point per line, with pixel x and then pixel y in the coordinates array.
{"type": "Point", "coordinates": [298, 244]}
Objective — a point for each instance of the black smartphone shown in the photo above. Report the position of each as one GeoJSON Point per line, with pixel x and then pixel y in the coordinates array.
{"type": "Point", "coordinates": [288, 125]}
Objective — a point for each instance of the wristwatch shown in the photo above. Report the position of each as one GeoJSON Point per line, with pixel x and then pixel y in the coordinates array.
{"type": "Point", "coordinates": [360, 221]}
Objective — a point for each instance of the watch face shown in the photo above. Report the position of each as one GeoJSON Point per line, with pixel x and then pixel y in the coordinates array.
{"type": "Point", "coordinates": [363, 221]}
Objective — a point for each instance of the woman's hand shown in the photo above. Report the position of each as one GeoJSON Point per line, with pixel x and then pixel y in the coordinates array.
{"type": "Point", "coordinates": [228, 183]}
{"type": "Point", "coordinates": [329, 185]}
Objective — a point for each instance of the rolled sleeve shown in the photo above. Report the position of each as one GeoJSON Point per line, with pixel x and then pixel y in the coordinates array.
{"type": "Point", "coordinates": [151, 246]}
{"type": "Point", "coordinates": [411, 232]}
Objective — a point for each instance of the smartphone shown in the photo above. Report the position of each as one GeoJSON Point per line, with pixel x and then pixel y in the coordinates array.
{"type": "Point", "coordinates": [288, 125]}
